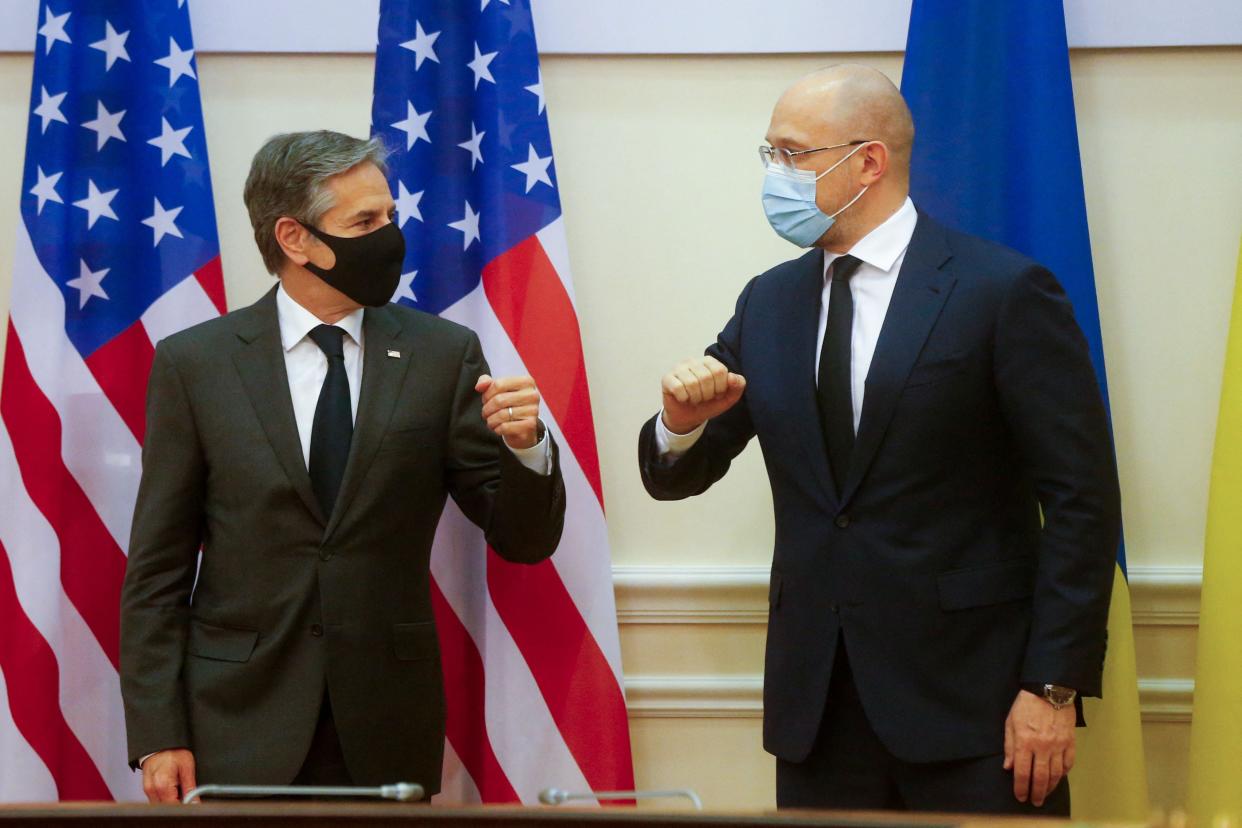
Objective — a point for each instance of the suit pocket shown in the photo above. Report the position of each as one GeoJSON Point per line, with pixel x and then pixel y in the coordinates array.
{"type": "Point", "coordinates": [221, 643]}
{"type": "Point", "coordinates": [414, 642]}
{"type": "Point", "coordinates": [936, 370]}
{"type": "Point", "coordinates": [986, 585]}
{"type": "Point", "coordinates": [774, 590]}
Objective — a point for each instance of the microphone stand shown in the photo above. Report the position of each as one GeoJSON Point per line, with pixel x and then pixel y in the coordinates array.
{"type": "Point", "coordinates": [401, 792]}
{"type": "Point", "coordinates": [556, 796]}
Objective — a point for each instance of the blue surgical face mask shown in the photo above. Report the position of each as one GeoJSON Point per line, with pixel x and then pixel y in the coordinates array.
{"type": "Point", "coordinates": [789, 202]}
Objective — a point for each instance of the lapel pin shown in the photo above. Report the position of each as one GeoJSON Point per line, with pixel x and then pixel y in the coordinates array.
{"type": "Point", "coordinates": [395, 354]}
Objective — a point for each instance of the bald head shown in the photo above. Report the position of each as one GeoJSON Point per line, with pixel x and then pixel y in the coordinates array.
{"type": "Point", "coordinates": [848, 102]}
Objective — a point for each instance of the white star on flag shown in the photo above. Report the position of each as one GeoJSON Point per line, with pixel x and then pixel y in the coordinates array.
{"type": "Point", "coordinates": [53, 29]}
{"type": "Point", "coordinates": [45, 189]}
{"type": "Point", "coordinates": [113, 45]}
{"type": "Point", "coordinates": [96, 204]}
{"type": "Point", "coordinates": [177, 62]}
{"type": "Point", "coordinates": [485, 2]}
{"type": "Point", "coordinates": [536, 89]}
{"type": "Point", "coordinates": [106, 125]}
{"type": "Point", "coordinates": [407, 204]}
{"type": "Point", "coordinates": [469, 226]}
{"type": "Point", "coordinates": [414, 126]}
{"type": "Point", "coordinates": [423, 46]}
{"type": "Point", "coordinates": [170, 141]}
{"type": "Point", "coordinates": [534, 168]}
{"type": "Point", "coordinates": [49, 108]}
{"type": "Point", "coordinates": [88, 283]}
{"type": "Point", "coordinates": [405, 290]}
{"type": "Point", "coordinates": [162, 222]}
{"type": "Point", "coordinates": [479, 66]}
{"type": "Point", "coordinates": [474, 145]}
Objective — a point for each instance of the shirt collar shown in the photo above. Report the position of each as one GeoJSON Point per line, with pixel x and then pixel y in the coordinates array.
{"type": "Point", "coordinates": [883, 246]}
{"type": "Point", "coordinates": [296, 321]}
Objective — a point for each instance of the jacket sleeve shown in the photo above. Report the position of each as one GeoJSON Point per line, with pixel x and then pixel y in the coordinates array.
{"type": "Point", "coordinates": [1053, 407]}
{"type": "Point", "coordinates": [159, 577]}
{"type": "Point", "coordinates": [521, 512]}
{"type": "Point", "coordinates": [722, 440]}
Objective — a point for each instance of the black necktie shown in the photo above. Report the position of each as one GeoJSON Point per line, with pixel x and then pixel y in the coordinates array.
{"type": "Point", "coordinates": [334, 422]}
{"type": "Point", "coordinates": [836, 405]}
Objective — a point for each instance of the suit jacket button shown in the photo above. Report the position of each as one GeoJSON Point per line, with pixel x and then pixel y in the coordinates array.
{"type": "Point", "coordinates": [316, 630]}
{"type": "Point", "coordinates": [325, 555]}
{"type": "Point", "coordinates": [842, 521]}
{"type": "Point", "coordinates": [835, 609]}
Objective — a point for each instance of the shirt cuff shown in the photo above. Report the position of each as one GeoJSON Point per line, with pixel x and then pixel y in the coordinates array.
{"type": "Point", "coordinates": [145, 758]}
{"type": "Point", "coordinates": [537, 458]}
{"type": "Point", "coordinates": [669, 445]}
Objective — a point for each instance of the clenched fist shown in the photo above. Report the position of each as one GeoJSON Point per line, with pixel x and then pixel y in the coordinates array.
{"type": "Point", "coordinates": [511, 409]}
{"type": "Point", "coordinates": [696, 390]}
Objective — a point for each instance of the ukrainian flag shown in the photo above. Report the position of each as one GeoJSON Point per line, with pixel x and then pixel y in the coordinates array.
{"type": "Point", "coordinates": [1216, 729]}
{"type": "Point", "coordinates": [996, 154]}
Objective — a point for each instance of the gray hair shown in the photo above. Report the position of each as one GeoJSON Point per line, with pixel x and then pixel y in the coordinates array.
{"type": "Point", "coordinates": [288, 177]}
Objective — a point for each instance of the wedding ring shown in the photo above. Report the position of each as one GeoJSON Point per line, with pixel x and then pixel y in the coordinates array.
{"type": "Point", "coordinates": [510, 413]}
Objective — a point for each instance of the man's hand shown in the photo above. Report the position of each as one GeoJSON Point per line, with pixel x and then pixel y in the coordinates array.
{"type": "Point", "coordinates": [1039, 746]}
{"type": "Point", "coordinates": [168, 775]}
{"type": "Point", "coordinates": [696, 390]}
{"type": "Point", "coordinates": [511, 409]}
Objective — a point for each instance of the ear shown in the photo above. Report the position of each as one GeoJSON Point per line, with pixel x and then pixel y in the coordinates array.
{"type": "Point", "coordinates": [875, 157]}
{"type": "Point", "coordinates": [294, 239]}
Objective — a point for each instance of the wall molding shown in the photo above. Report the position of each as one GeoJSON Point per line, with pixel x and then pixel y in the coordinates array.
{"type": "Point", "coordinates": [1160, 596]}
{"type": "Point", "coordinates": [691, 594]}
{"type": "Point", "coordinates": [695, 697]}
{"type": "Point", "coordinates": [1165, 596]}
{"type": "Point", "coordinates": [1167, 700]}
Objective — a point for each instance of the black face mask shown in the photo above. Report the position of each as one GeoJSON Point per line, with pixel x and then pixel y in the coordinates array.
{"type": "Point", "coordinates": [367, 268]}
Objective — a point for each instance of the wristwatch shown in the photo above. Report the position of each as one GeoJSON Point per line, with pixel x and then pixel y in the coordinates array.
{"type": "Point", "coordinates": [1056, 695]}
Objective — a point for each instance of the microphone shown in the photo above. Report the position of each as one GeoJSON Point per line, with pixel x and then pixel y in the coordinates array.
{"type": "Point", "coordinates": [401, 791]}
{"type": "Point", "coordinates": [557, 796]}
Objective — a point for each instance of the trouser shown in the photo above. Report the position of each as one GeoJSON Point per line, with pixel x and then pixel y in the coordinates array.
{"type": "Point", "coordinates": [324, 763]}
{"type": "Point", "coordinates": [849, 768]}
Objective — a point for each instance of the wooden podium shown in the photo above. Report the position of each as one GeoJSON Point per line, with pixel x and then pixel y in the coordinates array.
{"type": "Point", "coordinates": [351, 815]}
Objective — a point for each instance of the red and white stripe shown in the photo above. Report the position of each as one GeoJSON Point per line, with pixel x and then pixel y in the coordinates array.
{"type": "Point", "coordinates": [531, 653]}
{"type": "Point", "coordinates": [70, 461]}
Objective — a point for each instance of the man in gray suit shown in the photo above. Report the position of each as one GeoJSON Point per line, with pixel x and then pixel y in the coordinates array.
{"type": "Point", "coordinates": [306, 444]}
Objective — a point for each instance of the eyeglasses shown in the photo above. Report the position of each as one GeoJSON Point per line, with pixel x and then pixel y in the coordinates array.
{"type": "Point", "coordinates": [785, 158]}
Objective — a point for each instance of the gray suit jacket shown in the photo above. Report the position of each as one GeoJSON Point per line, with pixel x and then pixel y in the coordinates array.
{"type": "Point", "coordinates": [288, 601]}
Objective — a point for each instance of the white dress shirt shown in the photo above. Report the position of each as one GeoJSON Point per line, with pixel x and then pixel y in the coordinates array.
{"type": "Point", "coordinates": [881, 252]}
{"type": "Point", "coordinates": [307, 366]}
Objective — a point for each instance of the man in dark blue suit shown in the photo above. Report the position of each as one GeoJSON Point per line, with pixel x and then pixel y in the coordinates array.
{"type": "Point", "coordinates": [946, 497]}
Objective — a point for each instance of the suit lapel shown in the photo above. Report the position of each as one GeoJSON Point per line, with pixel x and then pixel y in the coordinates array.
{"type": "Point", "coordinates": [261, 364]}
{"type": "Point", "coordinates": [801, 315]}
{"type": "Point", "coordinates": [382, 378]}
{"type": "Point", "coordinates": [918, 297]}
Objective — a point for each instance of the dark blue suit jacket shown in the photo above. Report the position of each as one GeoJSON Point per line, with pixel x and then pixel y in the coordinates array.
{"type": "Point", "coordinates": [981, 409]}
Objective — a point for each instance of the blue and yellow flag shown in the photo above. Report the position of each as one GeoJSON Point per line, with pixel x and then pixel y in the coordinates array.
{"type": "Point", "coordinates": [1216, 731]}
{"type": "Point", "coordinates": [996, 154]}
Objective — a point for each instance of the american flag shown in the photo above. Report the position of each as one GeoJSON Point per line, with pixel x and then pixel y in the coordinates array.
{"type": "Point", "coordinates": [116, 249]}
{"type": "Point", "coordinates": [531, 655]}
